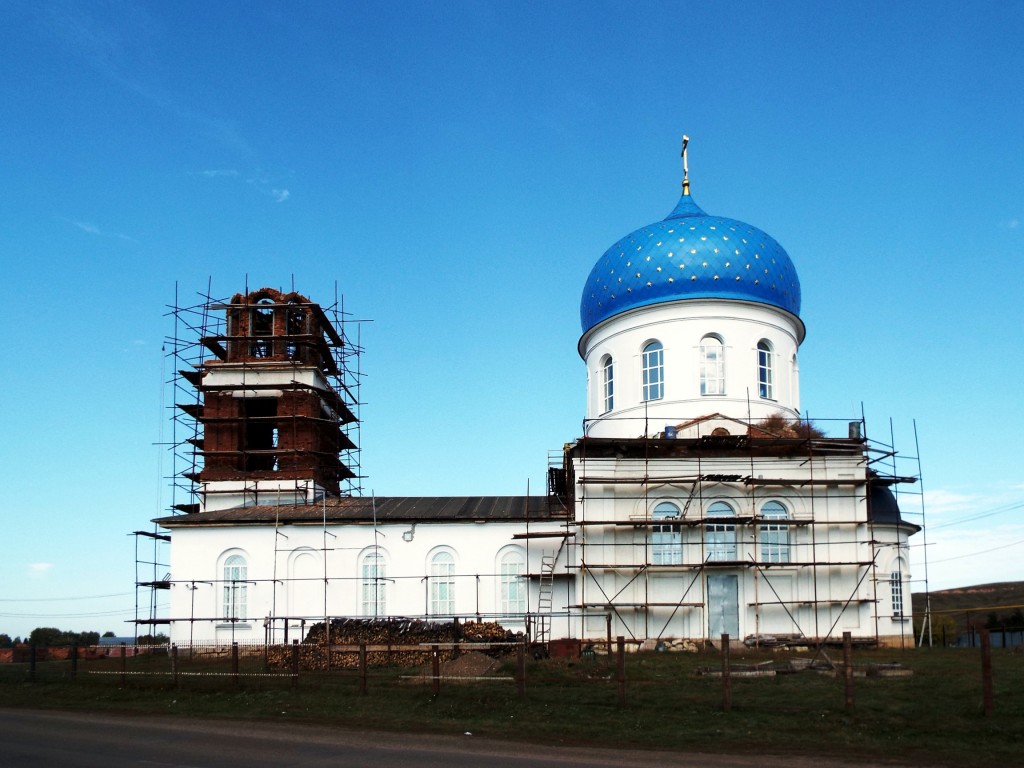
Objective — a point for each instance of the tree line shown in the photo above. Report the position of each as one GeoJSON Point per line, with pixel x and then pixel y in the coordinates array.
{"type": "Point", "coordinates": [51, 636]}
{"type": "Point", "coordinates": [1010, 621]}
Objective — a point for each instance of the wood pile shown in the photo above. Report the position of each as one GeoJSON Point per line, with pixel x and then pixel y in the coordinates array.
{"type": "Point", "coordinates": [390, 642]}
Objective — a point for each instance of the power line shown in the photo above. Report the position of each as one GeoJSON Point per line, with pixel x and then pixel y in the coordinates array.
{"type": "Point", "coordinates": [980, 552]}
{"type": "Point", "coordinates": [57, 599]}
{"type": "Point", "coordinates": [997, 511]}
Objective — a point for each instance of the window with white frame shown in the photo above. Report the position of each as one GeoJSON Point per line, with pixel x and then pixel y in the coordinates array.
{"type": "Point", "coordinates": [666, 538]}
{"type": "Point", "coordinates": [765, 377]}
{"type": "Point", "coordinates": [896, 589]}
{"type": "Point", "coordinates": [373, 584]}
{"type": "Point", "coordinates": [720, 535]}
{"type": "Point", "coordinates": [607, 384]}
{"type": "Point", "coordinates": [654, 371]}
{"type": "Point", "coordinates": [235, 587]}
{"type": "Point", "coordinates": [442, 584]}
{"type": "Point", "coordinates": [512, 568]}
{"type": "Point", "coordinates": [774, 536]}
{"type": "Point", "coordinates": [712, 366]}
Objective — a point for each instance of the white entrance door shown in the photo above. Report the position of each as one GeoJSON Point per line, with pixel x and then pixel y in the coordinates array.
{"type": "Point", "coordinates": [723, 606]}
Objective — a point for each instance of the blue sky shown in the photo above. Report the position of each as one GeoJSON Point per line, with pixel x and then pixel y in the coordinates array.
{"type": "Point", "coordinates": [456, 169]}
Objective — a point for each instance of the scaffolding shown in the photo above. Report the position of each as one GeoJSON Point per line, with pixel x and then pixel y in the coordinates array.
{"type": "Point", "coordinates": [794, 561]}
{"type": "Point", "coordinates": [265, 409]}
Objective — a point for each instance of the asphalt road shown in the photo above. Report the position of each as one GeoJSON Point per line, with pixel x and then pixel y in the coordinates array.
{"type": "Point", "coordinates": [36, 739]}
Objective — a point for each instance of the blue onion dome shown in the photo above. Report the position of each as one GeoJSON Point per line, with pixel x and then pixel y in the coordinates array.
{"type": "Point", "coordinates": [690, 255]}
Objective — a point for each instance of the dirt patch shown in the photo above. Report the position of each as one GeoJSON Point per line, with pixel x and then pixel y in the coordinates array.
{"type": "Point", "coordinates": [467, 665]}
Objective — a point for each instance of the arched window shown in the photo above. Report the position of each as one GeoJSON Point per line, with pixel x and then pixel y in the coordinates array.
{"type": "Point", "coordinates": [442, 584]}
{"type": "Point", "coordinates": [774, 536]}
{"type": "Point", "coordinates": [512, 567]}
{"type": "Point", "coordinates": [607, 384]}
{"type": "Point", "coordinates": [666, 538]}
{"type": "Point", "coordinates": [297, 325]}
{"type": "Point", "coordinates": [794, 375]}
{"type": "Point", "coordinates": [712, 366]}
{"type": "Point", "coordinates": [896, 590]}
{"type": "Point", "coordinates": [373, 584]}
{"type": "Point", "coordinates": [720, 537]}
{"type": "Point", "coordinates": [765, 379]}
{"type": "Point", "coordinates": [654, 371]}
{"type": "Point", "coordinates": [261, 328]}
{"type": "Point", "coordinates": [235, 592]}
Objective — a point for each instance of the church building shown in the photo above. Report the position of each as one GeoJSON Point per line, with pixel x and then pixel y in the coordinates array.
{"type": "Point", "coordinates": [697, 501]}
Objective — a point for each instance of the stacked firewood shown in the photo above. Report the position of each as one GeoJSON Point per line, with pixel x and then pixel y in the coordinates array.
{"type": "Point", "coordinates": [389, 642]}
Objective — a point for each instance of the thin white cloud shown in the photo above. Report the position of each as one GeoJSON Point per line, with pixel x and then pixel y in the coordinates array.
{"type": "Point", "coordinates": [264, 184]}
{"type": "Point", "coordinates": [39, 569]}
{"type": "Point", "coordinates": [940, 501]}
{"type": "Point", "coordinates": [1013, 224]}
{"type": "Point", "coordinates": [120, 50]}
{"type": "Point", "coordinates": [92, 229]}
{"type": "Point", "coordinates": [85, 226]}
{"type": "Point", "coordinates": [215, 173]}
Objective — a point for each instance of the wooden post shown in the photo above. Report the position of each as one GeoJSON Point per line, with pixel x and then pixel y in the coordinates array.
{"type": "Point", "coordinates": [327, 644]}
{"type": "Point", "coordinates": [726, 686]}
{"type": "Point", "coordinates": [362, 668]}
{"type": "Point", "coordinates": [234, 661]}
{"type": "Point", "coordinates": [295, 663]}
{"type": "Point", "coordinates": [521, 670]}
{"type": "Point", "coordinates": [124, 665]}
{"type": "Point", "coordinates": [620, 668]}
{"type": "Point", "coordinates": [608, 633]}
{"type": "Point", "coordinates": [986, 673]}
{"type": "Point", "coordinates": [435, 662]}
{"type": "Point", "coordinates": [74, 660]}
{"type": "Point", "coordinates": [174, 664]}
{"type": "Point", "coordinates": [32, 662]}
{"type": "Point", "coordinates": [848, 669]}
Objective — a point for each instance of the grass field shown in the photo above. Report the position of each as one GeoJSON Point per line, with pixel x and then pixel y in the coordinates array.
{"type": "Point", "coordinates": [932, 717]}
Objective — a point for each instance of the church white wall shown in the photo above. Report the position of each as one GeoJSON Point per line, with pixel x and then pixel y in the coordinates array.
{"type": "Point", "coordinates": [290, 582]}
{"type": "Point", "coordinates": [680, 327]}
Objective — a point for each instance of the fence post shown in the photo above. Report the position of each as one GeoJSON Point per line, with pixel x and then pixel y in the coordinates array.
{"type": "Point", "coordinates": [726, 683]}
{"type": "Point", "coordinates": [362, 667]}
{"type": "Point", "coordinates": [234, 661]}
{"type": "Point", "coordinates": [848, 669]}
{"type": "Point", "coordinates": [32, 662]}
{"type": "Point", "coordinates": [986, 673]}
{"type": "Point", "coordinates": [174, 664]}
{"type": "Point", "coordinates": [608, 633]}
{"type": "Point", "coordinates": [74, 660]}
{"type": "Point", "coordinates": [521, 670]}
{"type": "Point", "coordinates": [295, 663]}
{"type": "Point", "coordinates": [327, 643]}
{"type": "Point", "coordinates": [436, 669]}
{"type": "Point", "coordinates": [620, 668]}
{"type": "Point", "coordinates": [124, 665]}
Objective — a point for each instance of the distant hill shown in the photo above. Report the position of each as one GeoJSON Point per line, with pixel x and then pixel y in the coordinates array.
{"type": "Point", "coordinates": [957, 608]}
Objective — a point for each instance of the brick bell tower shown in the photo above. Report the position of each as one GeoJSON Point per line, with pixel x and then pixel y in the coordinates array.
{"type": "Point", "coordinates": [271, 405]}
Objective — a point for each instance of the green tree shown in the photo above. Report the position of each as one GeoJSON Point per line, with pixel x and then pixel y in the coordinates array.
{"type": "Point", "coordinates": [54, 636]}
{"type": "Point", "coordinates": [46, 636]}
{"type": "Point", "coordinates": [5, 641]}
{"type": "Point", "coordinates": [158, 639]}
{"type": "Point", "coordinates": [108, 633]}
